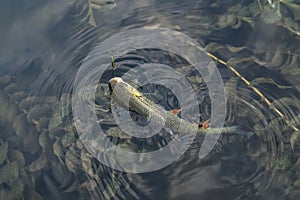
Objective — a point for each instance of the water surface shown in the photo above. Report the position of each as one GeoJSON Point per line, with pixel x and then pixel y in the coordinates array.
{"type": "Point", "coordinates": [45, 44]}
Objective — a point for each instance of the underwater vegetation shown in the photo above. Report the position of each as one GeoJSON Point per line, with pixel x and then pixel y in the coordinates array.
{"type": "Point", "coordinates": [40, 150]}
{"type": "Point", "coordinates": [88, 7]}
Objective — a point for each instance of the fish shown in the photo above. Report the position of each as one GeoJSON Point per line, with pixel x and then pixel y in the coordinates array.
{"type": "Point", "coordinates": [133, 100]}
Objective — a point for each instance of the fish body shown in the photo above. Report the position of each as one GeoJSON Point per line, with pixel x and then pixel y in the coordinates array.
{"type": "Point", "coordinates": [130, 98]}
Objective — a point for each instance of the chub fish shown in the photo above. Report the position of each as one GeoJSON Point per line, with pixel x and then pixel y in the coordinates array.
{"type": "Point", "coordinates": [131, 99]}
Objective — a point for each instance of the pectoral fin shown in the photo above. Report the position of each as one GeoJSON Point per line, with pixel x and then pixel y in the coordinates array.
{"type": "Point", "coordinates": [175, 111]}
{"type": "Point", "coordinates": [205, 124]}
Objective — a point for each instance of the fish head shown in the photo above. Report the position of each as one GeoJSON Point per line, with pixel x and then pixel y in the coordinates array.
{"type": "Point", "coordinates": [122, 87]}
{"type": "Point", "coordinates": [113, 82]}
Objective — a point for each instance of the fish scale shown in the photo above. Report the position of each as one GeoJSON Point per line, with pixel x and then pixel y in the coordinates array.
{"type": "Point", "coordinates": [130, 98]}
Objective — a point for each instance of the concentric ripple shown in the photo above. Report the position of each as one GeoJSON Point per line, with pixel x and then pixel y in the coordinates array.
{"type": "Point", "coordinates": [269, 151]}
{"type": "Point", "coordinates": [99, 59]}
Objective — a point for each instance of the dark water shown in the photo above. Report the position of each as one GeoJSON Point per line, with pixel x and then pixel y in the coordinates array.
{"type": "Point", "coordinates": [47, 45]}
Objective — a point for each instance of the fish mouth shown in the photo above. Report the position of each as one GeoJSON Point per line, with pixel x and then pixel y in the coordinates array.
{"type": "Point", "coordinates": [112, 83]}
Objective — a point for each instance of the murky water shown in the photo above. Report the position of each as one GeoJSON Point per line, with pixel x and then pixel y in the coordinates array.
{"type": "Point", "coordinates": [52, 51]}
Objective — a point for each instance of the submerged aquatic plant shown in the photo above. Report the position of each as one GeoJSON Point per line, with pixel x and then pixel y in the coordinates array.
{"type": "Point", "coordinates": [88, 9]}
{"type": "Point", "coordinates": [276, 11]}
{"type": "Point", "coordinates": [252, 86]}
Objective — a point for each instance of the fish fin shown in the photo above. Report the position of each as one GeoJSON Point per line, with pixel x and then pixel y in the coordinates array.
{"type": "Point", "coordinates": [204, 124]}
{"type": "Point", "coordinates": [175, 111]}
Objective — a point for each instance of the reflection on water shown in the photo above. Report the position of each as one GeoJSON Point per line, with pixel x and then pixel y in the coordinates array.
{"type": "Point", "coordinates": [44, 45]}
